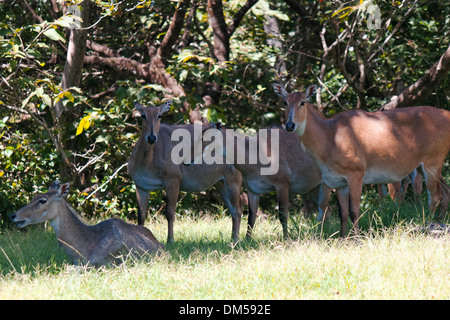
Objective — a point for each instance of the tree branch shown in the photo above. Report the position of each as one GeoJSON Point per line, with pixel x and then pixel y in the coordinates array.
{"type": "Point", "coordinates": [33, 13]}
{"type": "Point", "coordinates": [239, 15]}
{"type": "Point", "coordinates": [153, 72]}
{"type": "Point", "coordinates": [422, 87]}
{"type": "Point", "coordinates": [220, 30]}
{"type": "Point", "coordinates": [174, 30]}
{"type": "Point", "coordinates": [101, 48]}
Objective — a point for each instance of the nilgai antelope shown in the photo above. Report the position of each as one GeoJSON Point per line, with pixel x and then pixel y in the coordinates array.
{"type": "Point", "coordinates": [100, 244]}
{"type": "Point", "coordinates": [296, 172]}
{"type": "Point", "coordinates": [357, 147]}
{"type": "Point", "coordinates": [151, 167]}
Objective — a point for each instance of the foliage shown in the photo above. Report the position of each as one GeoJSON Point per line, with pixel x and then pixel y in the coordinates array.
{"type": "Point", "coordinates": [100, 137]}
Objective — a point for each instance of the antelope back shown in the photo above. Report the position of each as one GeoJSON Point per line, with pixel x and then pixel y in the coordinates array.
{"type": "Point", "coordinates": [43, 207]}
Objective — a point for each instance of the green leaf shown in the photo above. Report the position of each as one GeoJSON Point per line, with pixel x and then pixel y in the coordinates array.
{"type": "Point", "coordinates": [9, 151]}
{"type": "Point", "coordinates": [25, 102]}
{"type": "Point", "coordinates": [47, 100]}
{"type": "Point", "coordinates": [69, 96]}
{"type": "Point", "coordinates": [156, 87]}
{"type": "Point", "coordinates": [262, 7]}
{"type": "Point", "coordinates": [53, 34]}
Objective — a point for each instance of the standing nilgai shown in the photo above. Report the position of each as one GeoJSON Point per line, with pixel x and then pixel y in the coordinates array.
{"type": "Point", "coordinates": [151, 167]}
{"type": "Point", "coordinates": [100, 244]}
{"type": "Point", "coordinates": [296, 172]}
{"type": "Point", "coordinates": [357, 147]}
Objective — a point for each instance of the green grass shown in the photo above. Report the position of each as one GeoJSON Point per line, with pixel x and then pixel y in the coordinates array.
{"type": "Point", "coordinates": [390, 260]}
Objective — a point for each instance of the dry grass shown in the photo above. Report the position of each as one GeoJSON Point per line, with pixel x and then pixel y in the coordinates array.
{"type": "Point", "coordinates": [393, 263]}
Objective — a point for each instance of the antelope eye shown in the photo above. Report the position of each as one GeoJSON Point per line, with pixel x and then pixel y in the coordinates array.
{"type": "Point", "coordinates": [143, 116]}
{"type": "Point", "coordinates": [302, 103]}
{"type": "Point", "coordinates": [42, 200]}
{"type": "Point", "coordinates": [159, 116]}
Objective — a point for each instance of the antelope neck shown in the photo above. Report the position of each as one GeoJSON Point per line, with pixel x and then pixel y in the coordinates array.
{"type": "Point", "coordinates": [315, 137]}
{"type": "Point", "coordinates": [66, 219]}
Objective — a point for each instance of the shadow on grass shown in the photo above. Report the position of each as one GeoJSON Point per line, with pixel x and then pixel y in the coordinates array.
{"type": "Point", "coordinates": [30, 250]}
{"type": "Point", "coordinates": [187, 248]}
{"type": "Point", "coordinates": [33, 249]}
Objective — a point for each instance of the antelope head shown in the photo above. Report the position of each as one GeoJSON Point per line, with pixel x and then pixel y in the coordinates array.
{"type": "Point", "coordinates": [295, 107]}
{"type": "Point", "coordinates": [44, 207]}
{"type": "Point", "coordinates": [151, 119]}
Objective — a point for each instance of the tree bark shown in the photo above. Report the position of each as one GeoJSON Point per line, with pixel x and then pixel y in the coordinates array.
{"type": "Point", "coordinates": [272, 29]}
{"type": "Point", "coordinates": [222, 34]}
{"type": "Point", "coordinates": [220, 30]}
{"type": "Point", "coordinates": [424, 86]}
{"type": "Point", "coordinates": [174, 30]}
{"type": "Point", "coordinates": [75, 56]}
{"type": "Point", "coordinates": [155, 70]}
{"type": "Point", "coordinates": [211, 92]}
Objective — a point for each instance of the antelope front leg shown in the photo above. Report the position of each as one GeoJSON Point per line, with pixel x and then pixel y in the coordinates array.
{"type": "Point", "coordinates": [283, 201]}
{"type": "Point", "coordinates": [172, 192]}
{"type": "Point", "coordinates": [253, 204]}
{"type": "Point", "coordinates": [230, 193]}
{"type": "Point", "coordinates": [355, 190]}
{"type": "Point", "coordinates": [142, 199]}
{"type": "Point", "coordinates": [323, 198]}
{"type": "Point", "coordinates": [343, 201]}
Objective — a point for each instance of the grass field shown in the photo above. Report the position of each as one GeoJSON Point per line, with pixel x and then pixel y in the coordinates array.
{"type": "Point", "coordinates": [389, 260]}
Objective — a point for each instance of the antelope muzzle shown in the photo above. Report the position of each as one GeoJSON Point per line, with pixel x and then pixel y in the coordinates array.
{"type": "Point", "coordinates": [151, 139]}
{"type": "Point", "coordinates": [290, 126]}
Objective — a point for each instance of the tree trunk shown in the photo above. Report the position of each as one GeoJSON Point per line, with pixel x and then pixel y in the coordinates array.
{"type": "Point", "coordinates": [220, 30]}
{"type": "Point", "coordinates": [272, 29]}
{"type": "Point", "coordinates": [222, 34]}
{"type": "Point", "coordinates": [424, 86]}
{"type": "Point", "coordinates": [71, 77]}
{"type": "Point", "coordinates": [75, 56]}
{"type": "Point", "coordinates": [211, 93]}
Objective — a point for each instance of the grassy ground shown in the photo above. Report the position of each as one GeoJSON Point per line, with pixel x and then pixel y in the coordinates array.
{"type": "Point", "coordinates": [390, 260]}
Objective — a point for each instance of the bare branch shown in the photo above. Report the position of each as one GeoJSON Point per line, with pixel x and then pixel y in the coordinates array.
{"type": "Point", "coordinates": [422, 87]}
{"type": "Point", "coordinates": [239, 15]}
{"type": "Point", "coordinates": [154, 72]}
{"type": "Point", "coordinates": [394, 31]}
{"type": "Point", "coordinates": [101, 48]}
{"type": "Point", "coordinates": [174, 30]}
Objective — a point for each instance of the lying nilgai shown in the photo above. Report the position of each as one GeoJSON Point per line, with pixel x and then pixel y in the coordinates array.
{"type": "Point", "coordinates": [357, 147]}
{"type": "Point", "coordinates": [295, 172]}
{"type": "Point", "coordinates": [151, 167]}
{"type": "Point", "coordinates": [97, 245]}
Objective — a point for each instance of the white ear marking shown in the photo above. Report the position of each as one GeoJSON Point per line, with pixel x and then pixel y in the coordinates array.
{"type": "Point", "coordinates": [310, 91]}
{"type": "Point", "coordinates": [63, 190]}
{"type": "Point", "coordinates": [166, 106]}
{"type": "Point", "coordinates": [137, 111]}
{"type": "Point", "coordinates": [279, 90]}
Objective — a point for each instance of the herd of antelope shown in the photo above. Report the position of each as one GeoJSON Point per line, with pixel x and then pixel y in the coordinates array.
{"type": "Point", "coordinates": [313, 156]}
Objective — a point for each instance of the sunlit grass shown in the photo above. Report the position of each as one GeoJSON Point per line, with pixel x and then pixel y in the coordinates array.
{"type": "Point", "coordinates": [389, 260]}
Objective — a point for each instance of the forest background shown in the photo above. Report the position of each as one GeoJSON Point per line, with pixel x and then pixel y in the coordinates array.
{"type": "Point", "coordinates": [68, 86]}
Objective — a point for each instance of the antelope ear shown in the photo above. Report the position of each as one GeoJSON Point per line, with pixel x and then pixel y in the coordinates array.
{"type": "Point", "coordinates": [310, 91]}
{"type": "Point", "coordinates": [166, 106]}
{"type": "Point", "coordinates": [138, 109]}
{"type": "Point", "coordinates": [279, 90]}
{"type": "Point", "coordinates": [219, 125]}
{"type": "Point", "coordinates": [63, 190]}
{"type": "Point", "coordinates": [54, 185]}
